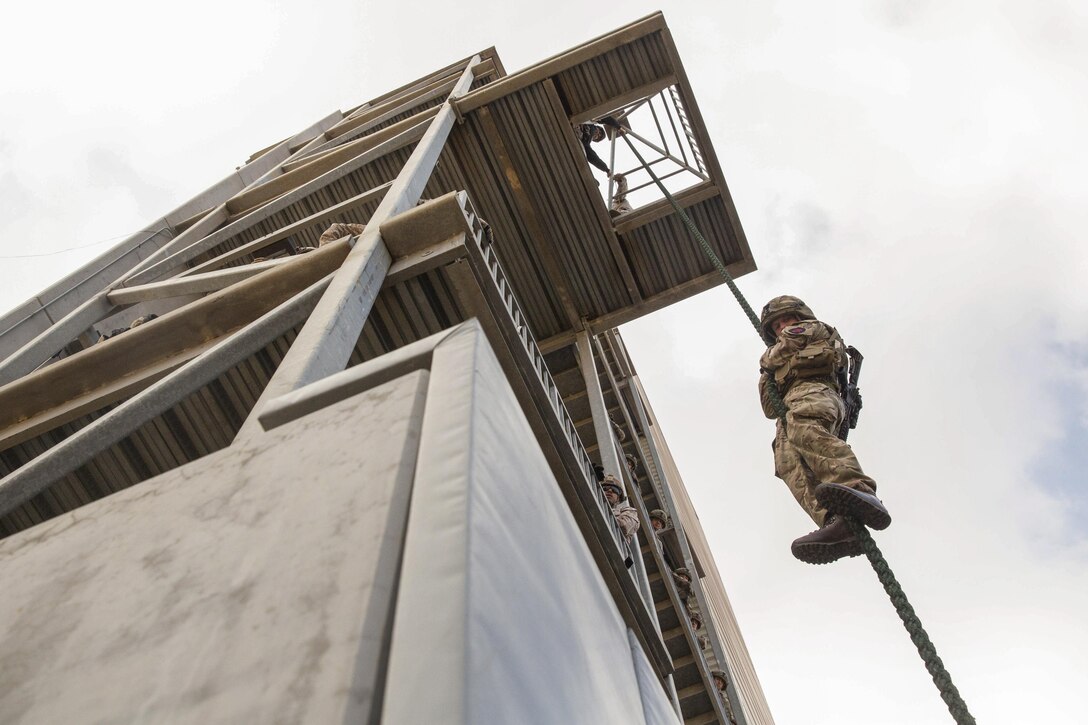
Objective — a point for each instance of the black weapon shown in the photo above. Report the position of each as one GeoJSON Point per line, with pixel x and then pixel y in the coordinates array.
{"type": "Point", "coordinates": [851, 395]}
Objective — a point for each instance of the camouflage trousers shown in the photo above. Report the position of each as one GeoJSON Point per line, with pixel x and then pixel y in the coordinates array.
{"type": "Point", "coordinates": [807, 451]}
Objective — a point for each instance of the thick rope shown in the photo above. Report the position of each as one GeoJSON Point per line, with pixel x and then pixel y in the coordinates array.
{"type": "Point", "coordinates": [926, 650]}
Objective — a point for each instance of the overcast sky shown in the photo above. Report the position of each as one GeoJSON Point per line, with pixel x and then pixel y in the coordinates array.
{"type": "Point", "coordinates": [914, 170]}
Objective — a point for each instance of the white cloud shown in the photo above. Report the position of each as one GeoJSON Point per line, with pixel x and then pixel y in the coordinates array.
{"type": "Point", "coordinates": [914, 170]}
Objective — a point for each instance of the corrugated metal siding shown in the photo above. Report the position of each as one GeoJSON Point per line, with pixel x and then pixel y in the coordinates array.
{"type": "Point", "coordinates": [664, 255]}
{"type": "Point", "coordinates": [618, 71]}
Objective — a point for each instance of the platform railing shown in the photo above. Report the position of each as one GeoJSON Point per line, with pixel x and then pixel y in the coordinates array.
{"type": "Point", "coordinates": [544, 377]}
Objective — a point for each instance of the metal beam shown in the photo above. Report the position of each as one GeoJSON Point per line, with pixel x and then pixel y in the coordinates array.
{"type": "Point", "coordinates": [602, 424]}
{"type": "Point", "coordinates": [190, 326]}
{"type": "Point", "coordinates": [31, 355]}
{"type": "Point", "coordinates": [192, 284]}
{"type": "Point", "coordinates": [325, 343]}
{"type": "Point", "coordinates": [278, 204]}
{"type": "Point", "coordinates": [358, 144]}
{"type": "Point", "coordinates": [68, 455]}
{"type": "Point", "coordinates": [325, 215]}
{"type": "Point", "coordinates": [257, 195]}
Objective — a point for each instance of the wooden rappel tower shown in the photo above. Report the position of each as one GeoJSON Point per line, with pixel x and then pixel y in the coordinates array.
{"type": "Point", "coordinates": [358, 481]}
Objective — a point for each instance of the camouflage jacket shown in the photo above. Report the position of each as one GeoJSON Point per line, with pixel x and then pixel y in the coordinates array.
{"type": "Point", "coordinates": [627, 518]}
{"type": "Point", "coordinates": [806, 350]}
{"type": "Point", "coordinates": [339, 231]}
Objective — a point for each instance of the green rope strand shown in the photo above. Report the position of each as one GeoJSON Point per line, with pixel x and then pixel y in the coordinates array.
{"type": "Point", "coordinates": [913, 625]}
{"type": "Point", "coordinates": [926, 650]}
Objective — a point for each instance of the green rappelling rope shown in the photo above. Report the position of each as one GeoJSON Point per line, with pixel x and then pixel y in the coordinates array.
{"type": "Point", "coordinates": [951, 696]}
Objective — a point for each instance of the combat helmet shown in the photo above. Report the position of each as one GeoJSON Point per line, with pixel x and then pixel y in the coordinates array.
{"type": "Point", "coordinates": [660, 515]}
{"type": "Point", "coordinates": [612, 481]}
{"type": "Point", "coordinates": [780, 307]}
{"type": "Point", "coordinates": [721, 676]}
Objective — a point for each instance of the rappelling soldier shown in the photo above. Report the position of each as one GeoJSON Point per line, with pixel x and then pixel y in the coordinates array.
{"type": "Point", "coordinates": [806, 359]}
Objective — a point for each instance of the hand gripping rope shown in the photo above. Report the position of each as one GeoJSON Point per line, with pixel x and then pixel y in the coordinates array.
{"type": "Point", "coordinates": [913, 625]}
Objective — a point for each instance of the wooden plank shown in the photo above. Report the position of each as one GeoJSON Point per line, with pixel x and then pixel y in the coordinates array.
{"type": "Point", "coordinates": [193, 284]}
{"type": "Point", "coordinates": [117, 389]}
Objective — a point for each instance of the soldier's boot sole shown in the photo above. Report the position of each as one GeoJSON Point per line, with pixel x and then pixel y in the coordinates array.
{"type": "Point", "coordinates": [854, 503]}
{"type": "Point", "coordinates": [823, 552]}
{"type": "Point", "coordinates": [830, 542]}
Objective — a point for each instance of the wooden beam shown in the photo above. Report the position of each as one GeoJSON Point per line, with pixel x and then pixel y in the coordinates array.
{"type": "Point", "coordinates": [193, 284]}
{"type": "Point", "coordinates": [558, 63]}
{"type": "Point", "coordinates": [31, 355]}
{"type": "Point", "coordinates": [187, 327]}
{"type": "Point", "coordinates": [385, 111]}
{"type": "Point", "coordinates": [325, 215]}
{"type": "Point", "coordinates": [200, 246]}
{"type": "Point", "coordinates": [661, 208]}
{"type": "Point", "coordinates": [202, 228]}
{"type": "Point", "coordinates": [346, 150]}
{"type": "Point", "coordinates": [624, 99]}
{"type": "Point", "coordinates": [651, 304]}
{"type": "Point", "coordinates": [37, 475]}
{"type": "Point", "coordinates": [314, 169]}
{"type": "Point", "coordinates": [117, 389]}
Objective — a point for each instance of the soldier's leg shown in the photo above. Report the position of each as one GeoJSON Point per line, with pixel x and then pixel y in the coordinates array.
{"type": "Point", "coordinates": [791, 468]}
{"type": "Point", "coordinates": [812, 422]}
{"type": "Point", "coordinates": [815, 413]}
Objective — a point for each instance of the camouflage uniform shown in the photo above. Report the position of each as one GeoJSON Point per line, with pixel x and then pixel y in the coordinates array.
{"type": "Point", "coordinates": [625, 513]}
{"type": "Point", "coordinates": [721, 682]}
{"type": "Point", "coordinates": [620, 204]}
{"type": "Point", "coordinates": [804, 362]}
{"type": "Point", "coordinates": [339, 231]}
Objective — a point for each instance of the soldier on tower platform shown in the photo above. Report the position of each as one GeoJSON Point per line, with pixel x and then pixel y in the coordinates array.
{"type": "Point", "coordinates": [625, 513]}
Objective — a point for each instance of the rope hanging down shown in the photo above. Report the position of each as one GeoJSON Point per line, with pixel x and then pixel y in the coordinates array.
{"type": "Point", "coordinates": [926, 650]}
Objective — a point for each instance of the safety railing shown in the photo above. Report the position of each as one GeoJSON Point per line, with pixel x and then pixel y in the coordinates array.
{"type": "Point", "coordinates": [543, 375]}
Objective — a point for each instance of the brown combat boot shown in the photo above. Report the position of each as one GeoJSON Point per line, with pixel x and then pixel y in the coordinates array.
{"type": "Point", "coordinates": [830, 542]}
{"type": "Point", "coordinates": [858, 503]}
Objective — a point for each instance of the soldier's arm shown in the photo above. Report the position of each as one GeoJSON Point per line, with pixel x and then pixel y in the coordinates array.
{"type": "Point", "coordinates": [627, 518]}
{"type": "Point", "coordinates": [765, 396]}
